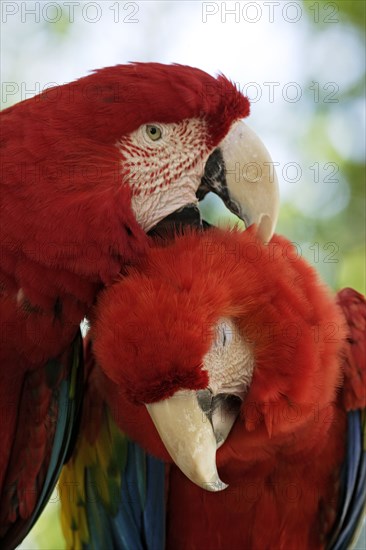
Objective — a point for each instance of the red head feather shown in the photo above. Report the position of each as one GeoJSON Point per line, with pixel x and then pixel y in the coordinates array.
{"type": "Point", "coordinates": [114, 101]}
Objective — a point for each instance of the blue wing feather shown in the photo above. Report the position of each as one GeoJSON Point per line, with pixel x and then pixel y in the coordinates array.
{"type": "Point", "coordinates": [141, 515]}
{"type": "Point", "coordinates": [353, 485]}
{"type": "Point", "coordinates": [132, 519]}
{"type": "Point", "coordinates": [154, 512]}
{"type": "Point", "coordinates": [100, 535]}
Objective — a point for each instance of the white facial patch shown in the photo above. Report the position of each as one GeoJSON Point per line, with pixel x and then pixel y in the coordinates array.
{"type": "Point", "coordinates": [230, 361]}
{"type": "Point", "coordinates": [165, 173]}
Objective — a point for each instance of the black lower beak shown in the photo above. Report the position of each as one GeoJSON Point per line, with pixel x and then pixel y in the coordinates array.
{"type": "Point", "coordinates": [174, 223]}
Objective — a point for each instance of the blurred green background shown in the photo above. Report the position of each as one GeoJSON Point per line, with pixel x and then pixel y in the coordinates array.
{"type": "Point", "coordinates": [302, 65]}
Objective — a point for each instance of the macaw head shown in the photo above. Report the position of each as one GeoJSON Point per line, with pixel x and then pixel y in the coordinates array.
{"type": "Point", "coordinates": [106, 157]}
{"type": "Point", "coordinates": [216, 330]}
{"type": "Point", "coordinates": [178, 134]}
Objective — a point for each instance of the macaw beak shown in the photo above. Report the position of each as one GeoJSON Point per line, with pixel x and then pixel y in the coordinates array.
{"type": "Point", "coordinates": [240, 171]}
{"type": "Point", "coordinates": [191, 437]}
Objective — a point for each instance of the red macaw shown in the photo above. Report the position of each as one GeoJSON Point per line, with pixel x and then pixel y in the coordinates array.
{"type": "Point", "coordinates": [88, 168]}
{"type": "Point", "coordinates": [228, 360]}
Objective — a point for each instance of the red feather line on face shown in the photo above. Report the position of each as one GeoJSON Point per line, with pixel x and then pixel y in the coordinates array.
{"type": "Point", "coordinates": [153, 328]}
{"type": "Point", "coordinates": [150, 170]}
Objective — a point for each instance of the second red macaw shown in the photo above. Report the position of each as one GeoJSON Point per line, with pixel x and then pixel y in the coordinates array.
{"type": "Point", "coordinates": [233, 365]}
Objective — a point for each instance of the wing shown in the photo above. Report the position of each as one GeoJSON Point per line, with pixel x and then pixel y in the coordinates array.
{"type": "Point", "coordinates": [353, 305]}
{"type": "Point", "coordinates": [112, 492]}
{"type": "Point", "coordinates": [353, 485]}
{"type": "Point", "coordinates": [353, 399]}
{"type": "Point", "coordinates": [45, 431]}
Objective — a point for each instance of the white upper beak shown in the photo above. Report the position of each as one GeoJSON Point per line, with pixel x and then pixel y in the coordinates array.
{"type": "Point", "coordinates": [248, 182]}
{"type": "Point", "coordinates": [189, 437]}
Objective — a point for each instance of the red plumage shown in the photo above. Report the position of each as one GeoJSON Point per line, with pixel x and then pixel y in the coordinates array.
{"type": "Point", "coordinates": [67, 225]}
{"type": "Point", "coordinates": [354, 363]}
{"type": "Point", "coordinates": [282, 458]}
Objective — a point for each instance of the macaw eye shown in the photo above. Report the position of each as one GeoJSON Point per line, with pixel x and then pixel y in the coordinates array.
{"type": "Point", "coordinates": [153, 132]}
{"type": "Point", "coordinates": [226, 334]}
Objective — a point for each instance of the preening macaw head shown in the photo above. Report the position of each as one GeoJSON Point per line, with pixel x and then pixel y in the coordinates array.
{"type": "Point", "coordinates": [117, 151]}
{"type": "Point", "coordinates": [215, 336]}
